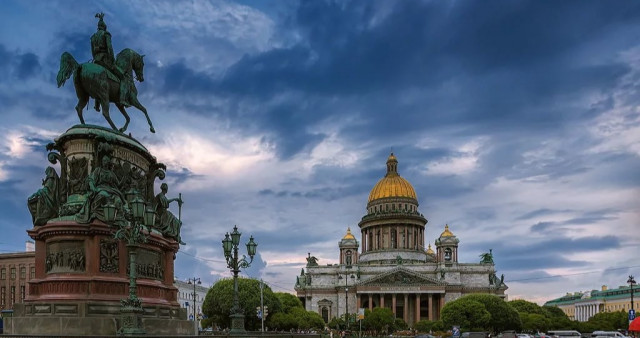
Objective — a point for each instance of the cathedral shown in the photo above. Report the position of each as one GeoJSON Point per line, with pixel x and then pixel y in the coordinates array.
{"type": "Point", "coordinates": [390, 267]}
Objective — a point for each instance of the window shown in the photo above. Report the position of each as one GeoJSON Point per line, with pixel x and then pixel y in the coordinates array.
{"type": "Point", "coordinates": [3, 295]}
{"type": "Point", "coordinates": [23, 272]}
{"type": "Point", "coordinates": [3, 273]}
{"type": "Point", "coordinates": [13, 294]}
{"type": "Point", "coordinates": [22, 293]}
{"type": "Point", "coordinates": [33, 272]}
{"type": "Point", "coordinates": [13, 273]}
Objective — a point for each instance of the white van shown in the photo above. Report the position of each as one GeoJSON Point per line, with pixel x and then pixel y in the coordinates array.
{"type": "Point", "coordinates": [564, 333]}
{"type": "Point", "coordinates": [607, 334]}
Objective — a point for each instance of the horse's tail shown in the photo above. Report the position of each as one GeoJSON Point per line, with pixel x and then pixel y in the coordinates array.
{"type": "Point", "coordinates": [68, 66]}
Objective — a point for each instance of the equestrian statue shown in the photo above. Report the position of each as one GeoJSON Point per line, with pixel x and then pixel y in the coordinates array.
{"type": "Point", "coordinates": [106, 79]}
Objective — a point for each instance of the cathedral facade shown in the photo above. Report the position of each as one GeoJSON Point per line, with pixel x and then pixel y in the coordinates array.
{"type": "Point", "coordinates": [391, 267]}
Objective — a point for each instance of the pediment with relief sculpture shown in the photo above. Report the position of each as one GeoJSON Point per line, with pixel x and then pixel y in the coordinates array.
{"type": "Point", "coordinates": [401, 277]}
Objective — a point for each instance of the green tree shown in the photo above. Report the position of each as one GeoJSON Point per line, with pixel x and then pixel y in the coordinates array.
{"type": "Point", "coordinates": [467, 313]}
{"type": "Point", "coordinates": [558, 320]}
{"type": "Point", "coordinates": [424, 325]}
{"type": "Point", "coordinates": [288, 301]}
{"type": "Point", "coordinates": [219, 299]}
{"type": "Point", "coordinates": [534, 322]}
{"type": "Point", "coordinates": [609, 321]}
{"type": "Point", "coordinates": [501, 315]}
{"type": "Point", "coordinates": [379, 320]}
{"type": "Point", "coordinates": [523, 306]}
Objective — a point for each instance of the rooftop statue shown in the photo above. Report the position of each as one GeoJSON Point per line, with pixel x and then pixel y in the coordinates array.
{"type": "Point", "coordinates": [106, 79]}
{"type": "Point", "coordinates": [487, 257]}
{"type": "Point", "coordinates": [312, 260]}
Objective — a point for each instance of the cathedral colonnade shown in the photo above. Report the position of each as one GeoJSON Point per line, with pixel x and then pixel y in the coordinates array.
{"type": "Point", "coordinates": [411, 306]}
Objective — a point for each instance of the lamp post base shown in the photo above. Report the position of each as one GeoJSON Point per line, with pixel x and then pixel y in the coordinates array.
{"type": "Point", "coordinates": [237, 324]}
{"type": "Point", "coordinates": [131, 321]}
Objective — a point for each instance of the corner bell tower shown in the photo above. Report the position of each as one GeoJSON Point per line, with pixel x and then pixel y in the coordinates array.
{"type": "Point", "coordinates": [447, 247]}
{"type": "Point", "coordinates": [348, 249]}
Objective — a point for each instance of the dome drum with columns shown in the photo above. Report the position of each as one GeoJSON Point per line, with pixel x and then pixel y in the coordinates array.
{"type": "Point", "coordinates": [394, 267]}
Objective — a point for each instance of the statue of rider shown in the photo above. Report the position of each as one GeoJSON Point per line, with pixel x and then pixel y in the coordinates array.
{"type": "Point", "coordinates": [102, 53]}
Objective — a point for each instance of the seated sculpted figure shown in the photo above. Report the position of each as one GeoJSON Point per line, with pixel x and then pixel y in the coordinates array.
{"type": "Point", "coordinates": [166, 222]}
{"type": "Point", "coordinates": [43, 204]}
{"type": "Point", "coordinates": [103, 190]}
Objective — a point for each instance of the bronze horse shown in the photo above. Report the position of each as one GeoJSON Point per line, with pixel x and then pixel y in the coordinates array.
{"type": "Point", "coordinates": [93, 80]}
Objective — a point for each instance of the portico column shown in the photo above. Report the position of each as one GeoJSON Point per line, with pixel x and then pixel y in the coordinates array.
{"type": "Point", "coordinates": [430, 306]}
{"type": "Point", "coordinates": [417, 307]}
{"type": "Point", "coordinates": [370, 302]}
{"type": "Point", "coordinates": [393, 304]}
{"type": "Point", "coordinates": [441, 305]}
{"type": "Point", "coordinates": [364, 241]}
{"type": "Point", "coordinates": [382, 300]}
{"type": "Point", "coordinates": [359, 301]}
{"type": "Point", "coordinates": [405, 315]}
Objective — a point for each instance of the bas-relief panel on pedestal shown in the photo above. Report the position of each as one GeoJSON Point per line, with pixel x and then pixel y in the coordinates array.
{"type": "Point", "coordinates": [65, 257]}
{"type": "Point", "coordinates": [109, 256]}
{"type": "Point", "coordinates": [149, 264]}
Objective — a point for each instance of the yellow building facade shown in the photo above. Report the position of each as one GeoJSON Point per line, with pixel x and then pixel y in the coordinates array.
{"type": "Point", "coordinates": [581, 306]}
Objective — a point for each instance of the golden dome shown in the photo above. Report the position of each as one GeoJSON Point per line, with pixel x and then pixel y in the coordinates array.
{"type": "Point", "coordinates": [349, 235]}
{"type": "Point", "coordinates": [446, 232]}
{"type": "Point", "coordinates": [430, 251]}
{"type": "Point", "coordinates": [392, 185]}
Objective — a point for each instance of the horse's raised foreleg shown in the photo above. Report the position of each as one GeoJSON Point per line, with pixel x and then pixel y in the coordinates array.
{"type": "Point", "coordinates": [137, 104]}
{"type": "Point", "coordinates": [126, 117]}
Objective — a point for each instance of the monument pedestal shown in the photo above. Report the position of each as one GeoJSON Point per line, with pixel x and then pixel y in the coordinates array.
{"type": "Point", "coordinates": [82, 271]}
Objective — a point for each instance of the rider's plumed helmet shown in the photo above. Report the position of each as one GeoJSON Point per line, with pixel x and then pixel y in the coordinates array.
{"type": "Point", "coordinates": [101, 24]}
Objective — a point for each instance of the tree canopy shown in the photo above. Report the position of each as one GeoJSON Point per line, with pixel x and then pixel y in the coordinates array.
{"type": "Point", "coordinates": [288, 301]}
{"type": "Point", "coordinates": [219, 300]}
{"type": "Point", "coordinates": [481, 312]}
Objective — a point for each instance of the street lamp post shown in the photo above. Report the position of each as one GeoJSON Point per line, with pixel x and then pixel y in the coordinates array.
{"type": "Point", "coordinates": [346, 296]}
{"type": "Point", "coordinates": [193, 281]}
{"type": "Point", "coordinates": [230, 246]}
{"type": "Point", "coordinates": [631, 282]}
{"type": "Point", "coordinates": [132, 234]}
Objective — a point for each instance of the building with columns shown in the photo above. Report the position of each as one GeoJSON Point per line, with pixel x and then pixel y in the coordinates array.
{"type": "Point", "coordinates": [581, 306]}
{"type": "Point", "coordinates": [393, 268]}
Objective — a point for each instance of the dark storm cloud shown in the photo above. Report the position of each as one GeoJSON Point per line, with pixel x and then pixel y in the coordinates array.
{"type": "Point", "coordinates": [538, 213]}
{"type": "Point", "coordinates": [18, 65]}
{"type": "Point", "coordinates": [544, 254]}
{"type": "Point", "coordinates": [533, 277]}
{"type": "Point", "coordinates": [365, 56]}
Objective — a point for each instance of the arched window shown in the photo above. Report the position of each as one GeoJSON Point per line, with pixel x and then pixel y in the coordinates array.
{"type": "Point", "coordinates": [447, 254]}
{"type": "Point", "coordinates": [325, 314]}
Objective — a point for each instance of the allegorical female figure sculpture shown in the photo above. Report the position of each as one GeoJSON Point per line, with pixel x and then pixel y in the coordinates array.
{"type": "Point", "coordinates": [103, 190]}
{"type": "Point", "coordinates": [43, 204]}
{"type": "Point", "coordinates": [166, 222]}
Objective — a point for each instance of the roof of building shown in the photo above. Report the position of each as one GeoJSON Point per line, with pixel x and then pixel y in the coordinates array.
{"type": "Point", "coordinates": [447, 232]}
{"type": "Point", "coordinates": [622, 292]}
{"type": "Point", "coordinates": [392, 185]}
{"type": "Point", "coordinates": [349, 235]}
{"type": "Point", "coordinates": [430, 251]}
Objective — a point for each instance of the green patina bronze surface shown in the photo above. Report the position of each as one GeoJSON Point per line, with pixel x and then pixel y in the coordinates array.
{"type": "Point", "coordinates": [106, 79]}
{"type": "Point", "coordinates": [89, 183]}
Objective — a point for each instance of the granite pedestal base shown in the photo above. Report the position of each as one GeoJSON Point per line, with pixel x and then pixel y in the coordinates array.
{"type": "Point", "coordinates": [92, 319]}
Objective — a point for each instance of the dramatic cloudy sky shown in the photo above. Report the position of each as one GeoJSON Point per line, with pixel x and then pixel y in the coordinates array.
{"type": "Point", "coordinates": [516, 122]}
